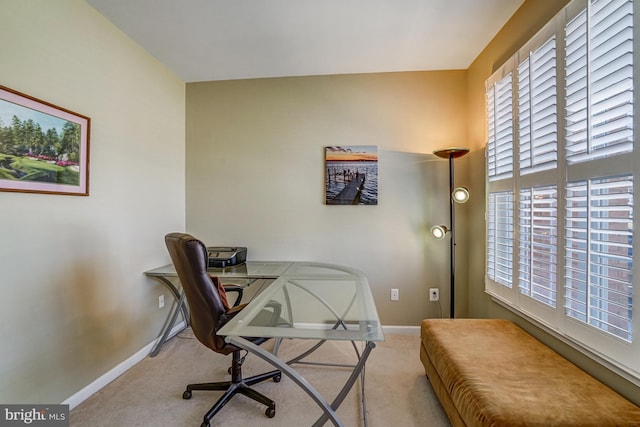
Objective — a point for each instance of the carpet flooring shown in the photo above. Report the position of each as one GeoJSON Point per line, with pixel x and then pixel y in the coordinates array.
{"type": "Point", "coordinates": [150, 394]}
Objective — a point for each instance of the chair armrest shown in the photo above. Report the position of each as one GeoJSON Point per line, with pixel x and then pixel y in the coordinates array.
{"type": "Point", "coordinates": [235, 288]}
{"type": "Point", "coordinates": [274, 316]}
{"type": "Point", "coordinates": [277, 309]}
{"type": "Point", "coordinates": [230, 313]}
{"type": "Point", "coordinates": [235, 310]}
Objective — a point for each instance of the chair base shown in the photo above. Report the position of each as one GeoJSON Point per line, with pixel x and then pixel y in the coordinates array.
{"type": "Point", "coordinates": [235, 386]}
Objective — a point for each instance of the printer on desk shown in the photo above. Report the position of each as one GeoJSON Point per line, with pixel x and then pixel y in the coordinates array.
{"type": "Point", "coordinates": [226, 256]}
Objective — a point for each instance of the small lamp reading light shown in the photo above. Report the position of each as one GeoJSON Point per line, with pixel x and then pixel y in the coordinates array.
{"type": "Point", "coordinates": [460, 195]}
{"type": "Point", "coordinates": [438, 232]}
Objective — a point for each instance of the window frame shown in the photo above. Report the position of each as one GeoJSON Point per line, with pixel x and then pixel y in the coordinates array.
{"type": "Point", "coordinates": [615, 353]}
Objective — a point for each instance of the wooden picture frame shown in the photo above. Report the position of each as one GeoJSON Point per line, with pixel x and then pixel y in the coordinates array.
{"type": "Point", "coordinates": [43, 148]}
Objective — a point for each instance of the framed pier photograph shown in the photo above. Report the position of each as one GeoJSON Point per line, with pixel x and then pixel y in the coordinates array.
{"type": "Point", "coordinates": [351, 175]}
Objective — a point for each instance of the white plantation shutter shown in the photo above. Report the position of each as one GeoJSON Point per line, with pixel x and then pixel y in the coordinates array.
{"type": "Point", "coordinates": [500, 164]}
{"type": "Point", "coordinates": [524, 114]}
{"type": "Point", "coordinates": [500, 143]}
{"type": "Point", "coordinates": [599, 79]}
{"type": "Point", "coordinates": [576, 72]}
{"type": "Point", "coordinates": [562, 212]}
{"type": "Point", "coordinates": [599, 124]}
{"type": "Point", "coordinates": [491, 131]}
{"type": "Point", "coordinates": [538, 243]}
{"type": "Point", "coordinates": [538, 119]}
{"type": "Point", "coordinates": [491, 236]}
{"type": "Point", "coordinates": [599, 254]}
{"type": "Point", "coordinates": [500, 231]}
{"type": "Point", "coordinates": [612, 70]}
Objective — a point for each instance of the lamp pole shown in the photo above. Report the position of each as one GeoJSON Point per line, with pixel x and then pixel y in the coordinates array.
{"type": "Point", "coordinates": [452, 153]}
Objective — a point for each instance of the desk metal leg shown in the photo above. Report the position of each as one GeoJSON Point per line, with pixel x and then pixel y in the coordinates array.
{"type": "Point", "coordinates": [299, 360]}
{"type": "Point", "coordinates": [329, 412]}
{"type": "Point", "coordinates": [180, 306]}
{"type": "Point", "coordinates": [358, 370]}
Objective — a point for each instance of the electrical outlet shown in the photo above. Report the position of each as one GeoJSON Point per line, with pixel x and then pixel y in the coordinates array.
{"type": "Point", "coordinates": [161, 301]}
{"type": "Point", "coordinates": [434, 294]}
{"type": "Point", "coordinates": [395, 294]}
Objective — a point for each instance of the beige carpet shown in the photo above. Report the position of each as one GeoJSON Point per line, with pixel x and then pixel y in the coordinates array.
{"type": "Point", "coordinates": [150, 394]}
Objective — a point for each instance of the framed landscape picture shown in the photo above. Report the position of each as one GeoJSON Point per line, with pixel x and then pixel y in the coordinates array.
{"type": "Point", "coordinates": [43, 148]}
{"type": "Point", "coordinates": [351, 175]}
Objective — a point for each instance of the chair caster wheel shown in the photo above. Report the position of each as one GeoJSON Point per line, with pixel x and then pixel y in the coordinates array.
{"type": "Point", "coordinates": [277, 378]}
{"type": "Point", "coordinates": [205, 424]}
{"type": "Point", "coordinates": [270, 412]}
{"type": "Point", "coordinates": [186, 395]}
{"type": "Point", "coordinates": [229, 371]}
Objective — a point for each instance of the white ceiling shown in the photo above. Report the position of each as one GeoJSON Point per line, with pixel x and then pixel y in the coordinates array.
{"type": "Point", "coordinates": [202, 40]}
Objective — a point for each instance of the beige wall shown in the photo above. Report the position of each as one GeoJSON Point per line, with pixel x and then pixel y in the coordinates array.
{"type": "Point", "coordinates": [255, 175]}
{"type": "Point", "coordinates": [523, 25]}
{"type": "Point", "coordinates": [74, 301]}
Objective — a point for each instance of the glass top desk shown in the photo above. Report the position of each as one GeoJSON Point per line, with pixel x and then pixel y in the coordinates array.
{"type": "Point", "coordinates": [250, 271]}
{"type": "Point", "coordinates": [319, 302]}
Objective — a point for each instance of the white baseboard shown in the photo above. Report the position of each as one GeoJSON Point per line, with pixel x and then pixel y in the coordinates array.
{"type": "Point", "coordinates": [114, 373]}
{"type": "Point", "coordinates": [401, 330]}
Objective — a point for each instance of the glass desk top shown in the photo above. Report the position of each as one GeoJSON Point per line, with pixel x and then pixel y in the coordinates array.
{"type": "Point", "coordinates": [248, 270]}
{"type": "Point", "coordinates": [316, 301]}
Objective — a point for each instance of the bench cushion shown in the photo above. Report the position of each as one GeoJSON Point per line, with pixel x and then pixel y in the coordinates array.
{"type": "Point", "coordinates": [496, 374]}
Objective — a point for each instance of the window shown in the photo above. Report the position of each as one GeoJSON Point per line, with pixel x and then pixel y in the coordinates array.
{"type": "Point", "coordinates": [560, 181]}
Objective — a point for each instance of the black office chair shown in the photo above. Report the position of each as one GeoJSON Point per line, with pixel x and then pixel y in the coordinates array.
{"type": "Point", "coordinates": [209, 311]}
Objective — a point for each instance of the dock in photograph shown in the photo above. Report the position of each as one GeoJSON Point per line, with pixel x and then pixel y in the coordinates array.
{"type": "Point", "coordinates": [350, 194]}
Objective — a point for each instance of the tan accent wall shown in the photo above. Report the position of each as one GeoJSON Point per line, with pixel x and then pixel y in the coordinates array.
{"type": "Point", "coordinates": [255, 175]}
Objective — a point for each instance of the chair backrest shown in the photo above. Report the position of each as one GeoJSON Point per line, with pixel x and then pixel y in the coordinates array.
{"type": "Point", "coordinates": [189, 257]}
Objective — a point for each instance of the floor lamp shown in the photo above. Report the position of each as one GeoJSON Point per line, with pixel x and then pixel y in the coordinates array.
{"type": "Point", "coordinates": [456, 195]}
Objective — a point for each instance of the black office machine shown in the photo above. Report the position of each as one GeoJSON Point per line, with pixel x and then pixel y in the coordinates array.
{"type": "Point", "coordinates": [225, 256]}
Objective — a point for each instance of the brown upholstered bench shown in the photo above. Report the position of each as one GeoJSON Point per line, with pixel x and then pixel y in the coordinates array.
{"type": "Point", "coordinates": [489, 372]}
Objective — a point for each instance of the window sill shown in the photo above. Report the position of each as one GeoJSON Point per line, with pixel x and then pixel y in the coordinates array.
{"type": "Point", "coordinates": [606, 362]}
